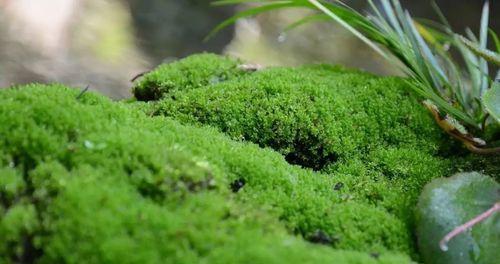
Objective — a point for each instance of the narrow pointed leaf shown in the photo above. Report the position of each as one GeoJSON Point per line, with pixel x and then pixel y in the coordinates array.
{"type": "Point", "coordinates": [252, 12]}
{"type": "Point", "coordinates": [491, 101]}
{"type": "Point", "coordinates": [346, 25]}
{"type": "Point", "coordinates": [496, 41]}
{"type": "Point", "coordinates": [486, 54]}
{"type": "Point", "coordinates": [483, 42]}
{"type": "Point", "coordinates": [306, 20]}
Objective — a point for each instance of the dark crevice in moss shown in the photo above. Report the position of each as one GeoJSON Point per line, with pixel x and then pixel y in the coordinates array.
{"type": "Point", "coordinates": [338, 186]}
{"type": "Point", "coordinates": [30, 254]}
{"type": "Point", "coordinates": [237, 184]}
{"type": "Point", "coordinates": [151, 94]}
{"type": "Point", "coordinates": [320, 237]}
{"type": "Point", "coordinates": [316, 159]}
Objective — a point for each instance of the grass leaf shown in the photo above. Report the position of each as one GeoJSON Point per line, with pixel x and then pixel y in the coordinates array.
{"type": "Point", "coordinates": [306, 20]}
{"type": "Point", "coordinates": [346, 25]}
{"type": "Point", "coordinates": [491, 101]}
{"type": "Point", "coordinates": [496, 41]}
{"type": "Point", "coordinates": [486, 54]}
{"type": "Point", "coordinates": [273, 5]}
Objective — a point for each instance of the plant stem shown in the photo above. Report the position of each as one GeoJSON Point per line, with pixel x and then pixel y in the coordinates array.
{"type": "Point", "coordinates": [482, 151]}
{"type": "Point", "coordinates": [460, 229]}
{"type": "Point", "coordinates": [82, 92]}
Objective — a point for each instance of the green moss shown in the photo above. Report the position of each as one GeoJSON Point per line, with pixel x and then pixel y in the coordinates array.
{"type": "Point", "coordinates": [17, 225]}
{"type": "Point", "coordinates": [145, 182]}
{"type": "Point", "coordinates": [489, 165]}
{"type": "Point", "coordinates": [314, 115]}
{"type": "Point", "coordinates": [87, 178]}
{"type": "Point", "coordinates": [12, 183]}
{"type": "Point", "coordinates": [368, 129]}
{"type": "Point", "coordinates": [370, 134]}
{"type": "Point", "coordinates": [189, 73]}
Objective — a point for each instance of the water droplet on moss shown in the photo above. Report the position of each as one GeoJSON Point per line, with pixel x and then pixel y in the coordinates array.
{"type": "Point", "coordinates": [88, 144]}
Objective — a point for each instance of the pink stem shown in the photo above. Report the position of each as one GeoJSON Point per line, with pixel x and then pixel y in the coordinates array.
{"type": "Point", "coordinates": [460, 229]}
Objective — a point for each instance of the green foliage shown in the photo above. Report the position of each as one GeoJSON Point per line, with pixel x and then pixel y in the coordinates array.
{"type": "Point", "coordinates": [314, 115]}
{"type": "Point", "coordinates": [386, 146]}
{"type": "Point", "coordinates": [486, 54]}
{"type": "Point", "coordinates": [448, 203]}
{"type": "Point", "coordinates": [210, 69]}
{"type": "Point", "coordinates": [491, 101]}
{"type": "Point", "coordinates": [89, 179]}
{"type": "Point", "coordinates": [432, 70]}
{"type": "Point", "coordinates": [135, 188]}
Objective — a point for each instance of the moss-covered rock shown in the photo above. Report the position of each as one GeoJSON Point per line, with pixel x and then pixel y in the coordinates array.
{"type": "Point", "coordinates": [87, 178]}
{"type": "Point", "coordinates": [370, 132]}
{"type": "Point", "coordinates": [314, 115]}
{"type": "Point", "coordinates": [82, 177]}
{"type": "Point", "coordinates": [190, 73]}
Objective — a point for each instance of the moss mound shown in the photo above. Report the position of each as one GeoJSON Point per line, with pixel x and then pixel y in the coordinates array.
{"type": "Point", "coordinates": [362, 128]}
{"type": "Point", "coordinates": [87, 178]}
{"type": "Point", "coordinates": [82, 177]}
{"type": "Point", "coordinates": [314, 115]}
{"type": "Point", "coordinates": [190, 73]}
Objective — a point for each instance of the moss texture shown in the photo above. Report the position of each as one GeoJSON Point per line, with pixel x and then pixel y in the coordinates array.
{"type": "Point", "coordinates": [360, 127]}
{"type": "Point", "coordinates": [190, 73]}
{"type": "Point", "coordinates": [85, 178]}
{"type": "Point", "coordinates": [314, 115]}
{"type": "Point", "coordinates": [369, 133]}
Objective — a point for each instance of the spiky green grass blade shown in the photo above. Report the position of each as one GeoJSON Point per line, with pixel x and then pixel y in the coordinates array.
{"type": "Point", "coordinates": [496, 41]}
{"type": "Point", "coordinates": [491, 101]}
{"type": "Point", "coordinates": [306, 20]}
{"type": "Point", "coordinates": [348, 26]}
{"type": "Point", "coordinates": [486, 54]}
{"type": "Point", "coordinates": [273, 5]}
{"type": "Point", "coordinates": [483, 42]}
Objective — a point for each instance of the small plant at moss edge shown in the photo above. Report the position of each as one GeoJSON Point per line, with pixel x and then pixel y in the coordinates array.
{"type": "Point", "coordinates": [465, 101]}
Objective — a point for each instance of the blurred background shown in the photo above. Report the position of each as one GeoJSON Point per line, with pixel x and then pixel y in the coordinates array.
{"type": "Point", "coordinates": [105, 43]}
